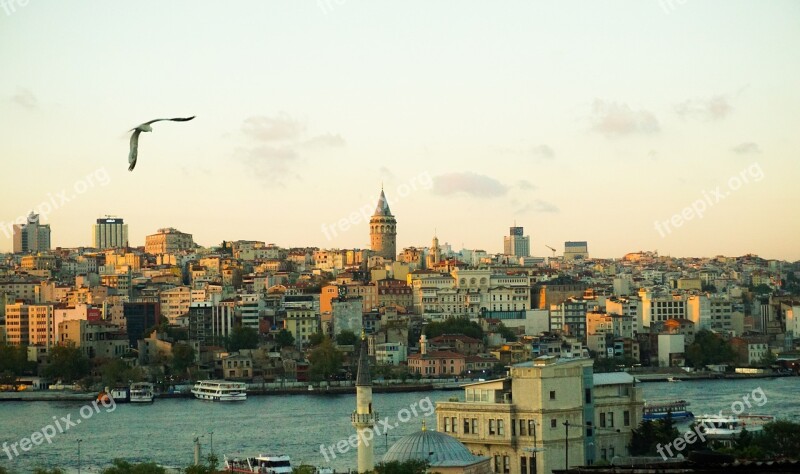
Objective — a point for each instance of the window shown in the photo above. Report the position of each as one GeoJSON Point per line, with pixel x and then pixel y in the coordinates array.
{"type": "Point", "coordinates": [501, 428]}
{"type": "Point", "coordinates": [626, 417]}
{"type": "Point", "coordinates": [466, 426]}
{"type": "Point", "coordinates": [588, 395]}
{"type": "Point", "coordinates": [522, 426]}
{"type": "Point", "coordinates": [523, 465]}
{"type": "Point", "coordinates": [497, 464]}
{"type": "Point", "coordinates": [446, 424]}
{"type": "Point", "coordinates": [454, 424]}
{"type": "Point", "coordinates": [532, 427]}
{"type": "Point", "coordinates": [491, 427]}
{"type": "Point", "coordinates": [552, 394]}
{"type": "Point", "coordinates": [553, 423]}
{"type": "Point", "coordinates": [611, 419]}
{"type": "Point", "coordinates": [475, 425]}
{"type": "Point", "coordinates": [602, 421]}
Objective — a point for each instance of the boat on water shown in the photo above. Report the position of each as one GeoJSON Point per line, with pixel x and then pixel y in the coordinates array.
{"type": "Point", "coordinates": [673, 379]}
{"type": "Point", "coordinates": [141, 392]}
{"type": "Point", "coordinates": [728, 427]}
{"type": "Point", "coordinates": [138, 392]}
{"type": "Point", "coordinates": [220, 391]}
{"type": "Point", "coordinates": [262, 464]}
{"type": "Point", "coordinates": [659, 410]}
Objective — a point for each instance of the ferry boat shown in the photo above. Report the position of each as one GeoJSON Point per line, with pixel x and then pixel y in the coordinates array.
{"type": "Point", "coordinates": [659, 410]}
{"type": "Point", "coordinates": [140, 392]}
{"type": "Point", "coordinates": [262, 464]}
{"type": "Point", "coordinates": [220, 390]}
{"type": "Point", "coordinates": [728, 427]}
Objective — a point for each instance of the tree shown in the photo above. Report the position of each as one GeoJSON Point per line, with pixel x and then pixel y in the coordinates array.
{"type": "Point", "coordinates": [55, 470]}
{"type": "Point", "coordinates": [284, 338]}
{"type": "Point", "coordinates": [452, 325]}
{"type": "Point", "coordinates": [507, 333]}
{"type": "Point", "coordinates": [650, 434]}
{"type": "Point", "coordinates": [315, 339]}
{"type": "Point", "coordinates": [412, 466]}
{"type": "Point", "coordinates": [242, 337]}
{"type": "Point", "coordinates": [768, 360]}
{"type": "Point", "coordinates": [66, 363]}
{"type": "Point", "coordinates": [346, 338]}
{"type": "Point", "coordinates": [124, 467]}
{"type": "Point", "coordinates": [117, 371]}
{"type": "Point", "coordinates": [709, 348]}
{"type": "Point", "coordinates": [781, 438]}
{"type": "Point", "coordinates": [14, 359]}
{"type": "Point", "coordinates": [325, 360]}
{"type": "Point", "coordinates": [182, 358]}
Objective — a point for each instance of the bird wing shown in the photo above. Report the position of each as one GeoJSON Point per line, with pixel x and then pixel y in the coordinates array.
{"type": "Point", "coordinates": [177, 119]}
{"type": "Point", "coordinates": [134, 149]}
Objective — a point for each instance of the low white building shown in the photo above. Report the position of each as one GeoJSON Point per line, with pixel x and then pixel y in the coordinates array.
{"type": "Point", "coordinates": [391, 353]}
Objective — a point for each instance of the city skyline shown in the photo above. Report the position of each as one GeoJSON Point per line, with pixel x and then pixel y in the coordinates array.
{"type": "Point", "coordinates": [661, 126]}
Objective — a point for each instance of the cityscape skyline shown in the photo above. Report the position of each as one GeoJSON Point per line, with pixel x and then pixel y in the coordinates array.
{"type": "Point", "coordinates": [606, 125]}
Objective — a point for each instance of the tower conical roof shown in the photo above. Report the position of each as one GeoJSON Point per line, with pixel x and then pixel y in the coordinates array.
{"type": "Point", "coordinates": [383, 206]}
{"type": "Point", "coordinates": [362, 377]}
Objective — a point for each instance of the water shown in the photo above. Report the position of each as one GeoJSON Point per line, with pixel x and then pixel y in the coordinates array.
{"type": "Point", "coordinates": [292, 424]}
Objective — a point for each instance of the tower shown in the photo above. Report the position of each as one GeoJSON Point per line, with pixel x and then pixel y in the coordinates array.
{"type": "Point", "coordinates": [383, 230]}
{"type": "Point", "coordinates": [110, 232]}
{"type": "Point", "coordinates": [364, 418]}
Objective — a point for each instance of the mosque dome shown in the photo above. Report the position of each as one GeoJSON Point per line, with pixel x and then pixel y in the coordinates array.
{"type": "Point", "coordinates": [437, 448]}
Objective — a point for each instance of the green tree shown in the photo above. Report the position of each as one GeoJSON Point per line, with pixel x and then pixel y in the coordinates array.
{"type": "Point", "coordinates": [507, 333]}
{"type": "Point", "coordinates": [453, 325]}
{"type": "Point", "coordinates": [66, 363]}
{"type": "Point", "coordinates": [709, 348]}
{"type": "Point", "coordinates": [182, 358]}
{"type": "Point", "coordinates": [284, 338]}
{"type": "Point", "coordinates": [316, 339]}
{"type": "Point", "coordinates": [781, 438]}
{"type": "Point", "coordinates": [55, 470]}
{"type": "Point", "coordinates": [117, 371]}
{"type": "Point", "coordinates": [412, 466]}
{"type": "Point", "coordinates": [650, 434]}
{"type": "Point", "coordinates": [768, 360]}
{"type": "Point", "coordinates": [124, 467]}
{"type": "Point", "coordinates": [242, 337]}
{"type": "Point", "coordinates": [325, 360]}
{"type": "Point", "coordinates": [346, 338]}
{"type": "Point", "coordinates": [14, 359]}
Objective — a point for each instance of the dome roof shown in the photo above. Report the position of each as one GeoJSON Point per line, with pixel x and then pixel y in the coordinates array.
{"type": "Point", "coordinates": [437, 448]}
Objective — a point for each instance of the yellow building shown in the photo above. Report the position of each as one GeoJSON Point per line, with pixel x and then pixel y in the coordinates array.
{"type": "Point", "coordinates": [547, 410]}
{"type": "Point", "coordinates": [302, 323]}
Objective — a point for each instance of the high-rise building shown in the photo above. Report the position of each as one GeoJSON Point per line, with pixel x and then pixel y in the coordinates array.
{"type": "Point", "coordinates": [517, 244]}
{"type": "Point", "coordinates": [383, 230]}
{"type": "Point", "coordinates": [576, 250]}
{"type": "Point", "coordinates": [31, 237]}
{"type": "Point", "coordinates": [110, 232]}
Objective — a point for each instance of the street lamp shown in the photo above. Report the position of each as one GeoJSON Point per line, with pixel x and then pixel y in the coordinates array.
{"type": "Point", "coordinates": [79, 455]}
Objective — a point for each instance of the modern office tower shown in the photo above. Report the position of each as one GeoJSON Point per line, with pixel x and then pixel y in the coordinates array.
{"type": "Point", "coordinates": [576, 250]}
{"type": "Point", "coordinates": [383, 230]}
{"type": "Point", "coordinates": [168, 241]}
{"type": "Point", "coordinates": [31, 237]}
{"type": "Point", "coordinates": [110, 232]}
{"type": "Point", "coordinates": [517, 244]}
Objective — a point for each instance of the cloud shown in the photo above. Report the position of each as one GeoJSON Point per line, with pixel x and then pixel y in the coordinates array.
{"type": "Point", "coordinates": [272, 163]}
{"type": "Point", "coordinates": [268, 129]}
{"type": "Point", "coordinates": [328, 140]}
{"type": "Point", "coordinates": [386, 173]}
{"type": "Point", "coordinates": [25, 98]}
{"type": "Point", "coordinates": [652, 154]}
{"type": "Point", "coordinates": [525, 185]}
{"type": "Point", "coordinates": [616, 119]}
{"type": "Point", "coordinates": [538, 206]}
{"type": "Point", "coordinates": [715, 108]}
{"type": "Point", "coordinates": [468, 183]}
{"type": "Point", "coordinates": [543, 151]}
{"type": "Point", "coordinates": [746, 148]}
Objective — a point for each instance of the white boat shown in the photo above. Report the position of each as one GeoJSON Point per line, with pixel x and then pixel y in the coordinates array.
{"type": "Point", "coordinates": [220, 390]}
{"type": "Point", "coordinates": [141, 392]}
{"type": "Point", "coordinates": [262, 464]}
{"type": "Point", "coordinates": [727, 427]}
{"type": "Point", "coordinates": [673, 379]}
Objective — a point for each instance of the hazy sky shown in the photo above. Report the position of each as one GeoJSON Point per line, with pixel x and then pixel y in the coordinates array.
{"type": "Point", "coordinates": [579, 120]}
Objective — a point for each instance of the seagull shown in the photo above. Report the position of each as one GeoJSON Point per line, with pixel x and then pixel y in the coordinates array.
{"type": "Point", "coordinates": [145, 127]}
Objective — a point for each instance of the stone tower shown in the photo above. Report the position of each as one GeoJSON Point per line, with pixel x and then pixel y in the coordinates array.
{"type": "Point", "coordinates": [364, 418]}
{"type": "Point", "coordinates": [383, 230]}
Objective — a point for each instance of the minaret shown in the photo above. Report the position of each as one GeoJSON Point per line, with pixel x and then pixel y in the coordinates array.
{"type": "Point", "coordinates": [364, 418]}
{"type": "Point", "coordinates": [383, 230]}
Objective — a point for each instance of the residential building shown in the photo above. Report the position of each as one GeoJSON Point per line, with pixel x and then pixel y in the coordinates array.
{"type": "Point", "coordinates": [168, 240]}
{"type": "Point", "coordinates": [391, 353]}
{"type": "Point", "coordinates": [576, 251]}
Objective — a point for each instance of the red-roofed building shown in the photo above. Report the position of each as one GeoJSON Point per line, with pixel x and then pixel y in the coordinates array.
{"type": "Point", "coordinates": [457, 343]}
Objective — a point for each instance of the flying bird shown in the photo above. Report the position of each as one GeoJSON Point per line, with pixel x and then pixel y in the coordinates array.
{"type": "Point", "coordinates": [145, 127]}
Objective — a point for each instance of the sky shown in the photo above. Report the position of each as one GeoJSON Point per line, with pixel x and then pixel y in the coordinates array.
{"type": "Point", "coordinates": [667, 125]}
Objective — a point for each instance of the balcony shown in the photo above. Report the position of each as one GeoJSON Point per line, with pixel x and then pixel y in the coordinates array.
{"type": "Point", "coordinates": [364, 418]}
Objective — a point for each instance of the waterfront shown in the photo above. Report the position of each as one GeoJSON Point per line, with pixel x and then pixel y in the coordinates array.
{"type": "Point", "coordinates": [292, 424]}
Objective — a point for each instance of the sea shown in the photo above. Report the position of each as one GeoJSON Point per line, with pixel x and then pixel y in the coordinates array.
{"type": "Point", "coordinates": [303, 426]}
